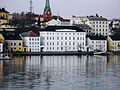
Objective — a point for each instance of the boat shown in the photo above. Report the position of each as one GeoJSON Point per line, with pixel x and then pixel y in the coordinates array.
{"type": "Point", "coordinates": [99, 52]}
{"type": "Point", "coordinates": [5, 57]}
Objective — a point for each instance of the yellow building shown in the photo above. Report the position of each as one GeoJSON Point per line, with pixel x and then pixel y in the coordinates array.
{"type": "Point", "coordinates": [114, 42]}
{"type": "Point", "coordinates": [4, 16]}
{"type": "Point", "coordinates": [2, 21]}
{"type": "Point", "coordinates": [1, 38]}
{"type": "Point", "coordinates": [14, 42]}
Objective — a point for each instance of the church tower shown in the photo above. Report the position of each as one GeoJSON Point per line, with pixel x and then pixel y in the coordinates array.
{"type": "Point", "coordinates": [47, 15]}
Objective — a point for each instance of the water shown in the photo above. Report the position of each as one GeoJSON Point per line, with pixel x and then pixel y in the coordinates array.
{"type": "Point", "coordinates": [60, 73]}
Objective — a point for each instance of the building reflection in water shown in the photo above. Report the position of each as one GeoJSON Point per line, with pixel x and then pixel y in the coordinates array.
{"type": "Point", "coordinates": [58, 72]}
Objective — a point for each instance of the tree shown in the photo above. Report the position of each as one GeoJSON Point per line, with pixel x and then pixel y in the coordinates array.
{"type": "Point", "coordinates": [39, 22]}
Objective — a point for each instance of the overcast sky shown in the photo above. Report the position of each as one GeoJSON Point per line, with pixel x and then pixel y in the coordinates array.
{"type": "Point", "coordinates": [67, 8]}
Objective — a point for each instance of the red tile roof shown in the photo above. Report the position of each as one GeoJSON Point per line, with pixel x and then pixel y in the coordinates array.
{"type": "Point", "coordinates": [33, 35]}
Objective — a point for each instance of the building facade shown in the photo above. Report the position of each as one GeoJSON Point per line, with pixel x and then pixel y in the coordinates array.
{"type": "Point", "coordinates": [4, 16]}
{"type": "Point", "coordinates": [62, 38]}
{"type": "Point", "coordinates": [97, 43]}
{"type": "Point", "coordinates": [114, 42]}
{"type": "Point", "coordinates": [32, 41]}
{"type": "Point", "coordinates": [13, 42]}
{"type": "Point", "coordinates": [1, 43]}
{"type": "Point", "coordinates": [99, 25]}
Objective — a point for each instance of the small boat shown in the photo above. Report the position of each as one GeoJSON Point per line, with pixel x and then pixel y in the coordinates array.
{"type": "Point", "coordinates": [99, 52]}
{"type": "Point", "coordinates": [5, 57]}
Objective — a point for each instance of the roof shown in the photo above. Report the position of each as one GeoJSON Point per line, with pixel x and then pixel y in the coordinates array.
{"type": "Point", "coordinates": [94, 18]}
{"type": "Point", "coordinates": [116, 36]}
{"type": "Point", "coordinates": [100, 37]}
{"type": "Point", "coordinates": [3, 10]}
{"type": "Point", "coordinates": [54, 28]}
{"type": "Point", "coordinates": [83, 26]}
{"type": "Point", "coordinates": [29, 34]}
{"type": "Point", "coordinates": [12, 37]}
{"type": "Point", "coordinates": [65, 20]}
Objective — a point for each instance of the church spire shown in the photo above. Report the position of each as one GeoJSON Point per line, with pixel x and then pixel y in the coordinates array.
{"type": "Point", "coordinates": [47, 15]}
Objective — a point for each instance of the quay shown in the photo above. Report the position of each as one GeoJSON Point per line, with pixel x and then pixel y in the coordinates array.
{"type": "Point", "coordinates": [51, 53]}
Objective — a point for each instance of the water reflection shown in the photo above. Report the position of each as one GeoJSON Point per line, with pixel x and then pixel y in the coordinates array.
{"type": "Point", "coordinates": [60, 73]}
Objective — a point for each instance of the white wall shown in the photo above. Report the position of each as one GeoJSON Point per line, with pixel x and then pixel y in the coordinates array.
{"type": "Point", "coordinates": [97, 44]}
{"type": "Point", "coordinates": [63, 41]}
{"type": "Point", "coordinates": [33, 43]}
{"type": "Point", "coordinates": [1, 47]}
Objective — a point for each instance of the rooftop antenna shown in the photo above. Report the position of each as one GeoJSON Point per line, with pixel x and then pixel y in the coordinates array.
{"type": "Point", "coordinates": [31, 7]}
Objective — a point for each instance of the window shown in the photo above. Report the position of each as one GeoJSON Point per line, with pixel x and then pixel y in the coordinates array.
{"type": "Point", "coordinates": [73, 38]}
{"type": "Point", "coordinates": [57, 43]}
{"type": "Point", "coordinates": [69, 38]}
{"type": "Point", "coordinates": [15, 44]}
{"type": "Point", "coordinates": [73, 43]}
{"type": "Point", "coordinates": [61, 43]}
{"type": "Point", "coordinates": [19, 44]}
{"type": "Point", "coordinates": [69, 43]}
{"type": "Point", "coordinates": [20, 49]}
{"type": "Point", "coordinates": [14, 49]}
{"type": "Point", "coordinates": [57, 38]}
{"type": "Point", "coordinates": [11, 44]}
{"type": "Point", "coordinates": [65, 38]}
{"type": "Point", "coordinates": [65, 43]}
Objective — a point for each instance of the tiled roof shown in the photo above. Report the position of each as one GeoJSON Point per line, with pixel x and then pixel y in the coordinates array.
{"type": "Point", "coordinates": [29, 34]}
{"type": "Point", "coordinates": [65, 20]}
{"type": "Point", "coordinates": [116, 36]}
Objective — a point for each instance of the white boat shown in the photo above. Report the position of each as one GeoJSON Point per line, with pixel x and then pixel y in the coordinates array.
{"type": "Point", "coordinates": [98, 52]}
{"type": "Point", "coordinates": [4, 57]}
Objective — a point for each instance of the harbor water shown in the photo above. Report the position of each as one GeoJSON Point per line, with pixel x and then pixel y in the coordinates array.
{"type": "Point", "coordinates": [60, 73]}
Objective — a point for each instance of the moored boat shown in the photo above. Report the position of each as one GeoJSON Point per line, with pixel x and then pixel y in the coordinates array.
{"type": "Point", "coordinates": [98, 52]}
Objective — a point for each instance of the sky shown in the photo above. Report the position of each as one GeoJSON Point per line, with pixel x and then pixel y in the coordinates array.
{"type": "Point", "coordinates": [66, 8]}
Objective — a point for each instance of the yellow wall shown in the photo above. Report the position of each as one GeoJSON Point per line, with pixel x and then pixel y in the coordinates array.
{"type": "Point", "coordinates": [5, 15]}
{"type": "Point", "coordinates": [14, 45]}
{"type": "Point", "coordinates": [111, 46]}
{"type": "Point", "coordinates": [3, 21]}
{"type": "Point", "coordinates": [1, 38]}
{"type": "Point", "coordinates": [25, 48]}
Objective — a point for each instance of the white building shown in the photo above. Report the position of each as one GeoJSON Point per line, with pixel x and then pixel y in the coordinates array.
{"type": "Point", "coordinates": [32, 41]}
{"type": "Point", "coordinates": [63, 38]}
{"type": "Point", "coordinates": [58, 22]}
{"type": "Point", "coordinates": [1, 47]}
{"type": "Point", "coordinates": [53, 22]}
{"type": "Point", "coordinates": [97, 43]}
{"type": "Point", "coordinates": [99, 25]}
